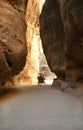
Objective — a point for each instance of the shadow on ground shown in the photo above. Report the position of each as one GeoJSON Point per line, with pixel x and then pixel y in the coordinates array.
{"type": "Point", "coordinates": [12, 92]}
{"type": "Point", "coordinates": [9, 93]}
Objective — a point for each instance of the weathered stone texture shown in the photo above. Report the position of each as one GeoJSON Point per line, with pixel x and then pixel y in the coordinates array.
{"type": "Point", "coordinates": [12, 41]}
{"type": "Point", "coordinates": [30, 71]}
{"type": "Point", "coordinates": [73, 24]}
{"type": "Point", "coordinates": [61, 30]}
{"type": "Point", "coordinates": [52, 35]}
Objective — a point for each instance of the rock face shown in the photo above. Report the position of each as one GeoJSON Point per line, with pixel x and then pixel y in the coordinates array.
{"type": "Point", "coordinates": [33, 40]}
{"type": "Point", "coordinates": [61, 31]}
{"type": "Point", "coordinates": [12, 39]}
{"type": "Point", "coordinates": [30, 71]}
{"type": "Point", "coordinates": [73, 24]}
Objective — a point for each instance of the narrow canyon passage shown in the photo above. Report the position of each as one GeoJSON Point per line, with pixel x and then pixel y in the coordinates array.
{"type": "Point", "coordinates": [41, 108]}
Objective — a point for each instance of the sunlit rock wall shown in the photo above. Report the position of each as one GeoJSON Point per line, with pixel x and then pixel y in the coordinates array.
{"type": "Point", "coordinates": [61, 30]}
{"type": "Point", "coordinates": [30, 72]}
{"type": "Point", "coordinates": [12, 39]}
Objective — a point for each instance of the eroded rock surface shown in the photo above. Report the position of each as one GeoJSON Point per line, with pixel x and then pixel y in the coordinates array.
{"type": "Point", "coordinates": [61, 30]}
{"type": "Point", "coordinates": [12, 39]}
{"type": "Point", "coordinates": [73, 24]}
{"type": "Point", "coordinates": [52, 35]}
{"type": "Point", "coordinates": [30, 71]}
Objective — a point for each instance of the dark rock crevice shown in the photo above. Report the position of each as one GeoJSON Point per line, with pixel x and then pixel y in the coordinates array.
{"type": "Point", "coordinates": [18, 4]}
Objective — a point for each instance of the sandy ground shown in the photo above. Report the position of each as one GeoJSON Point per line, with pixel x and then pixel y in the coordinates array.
{"type": "Point", "coordinates": [41, 108]}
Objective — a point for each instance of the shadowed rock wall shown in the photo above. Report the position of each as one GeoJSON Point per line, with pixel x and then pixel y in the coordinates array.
{"type": "Point", "coordinates": [61, 31]}
{"type": "Point", "coordinates": [73, 24]}
{"type": "Point", "coordinates": [12, 39]}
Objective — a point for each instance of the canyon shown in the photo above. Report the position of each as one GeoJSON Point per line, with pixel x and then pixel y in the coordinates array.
{"type": "Point", "coordinates": [41, 37]}
{"type": "Point", "coordinates": [24, 25]}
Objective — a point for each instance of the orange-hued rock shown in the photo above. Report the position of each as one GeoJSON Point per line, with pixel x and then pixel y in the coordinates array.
{"type": "Point", "coordinates": [12, 40]}
{"type": "Point", "coordinates": [30, 72]}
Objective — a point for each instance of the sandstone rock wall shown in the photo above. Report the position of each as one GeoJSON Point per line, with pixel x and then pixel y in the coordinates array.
{"type": "Point", "coordinates": [61, 30]}
{"type": "Point", "coordinates": [73, 25]}
{"type": "Point", "coordinates": [52, 35]}
{"type": "Point", "coordinates": [30, 72]}
{"type": "Point", "coordinates": [12, 39]}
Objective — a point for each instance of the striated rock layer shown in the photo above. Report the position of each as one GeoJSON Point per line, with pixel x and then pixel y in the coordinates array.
{"type": "Point", "coordinates": [61, 31]}
{"type": "Point", "coordinates": [12, 39]}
